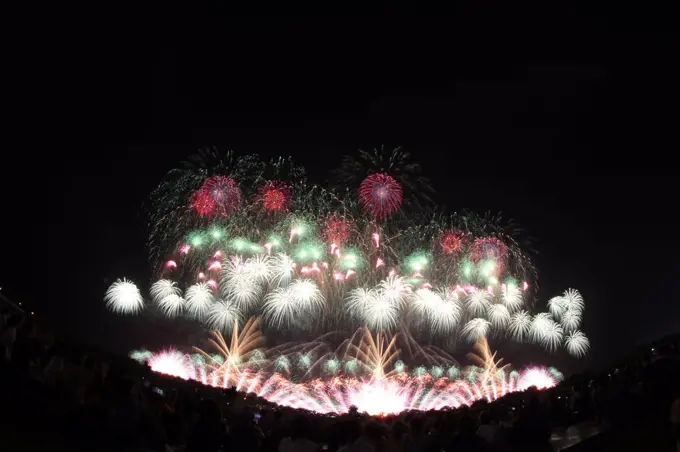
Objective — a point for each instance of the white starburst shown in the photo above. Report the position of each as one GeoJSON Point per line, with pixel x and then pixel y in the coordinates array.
{"type": "Point", "coordinates": [162, 288]}
{"type": "Point", "coordinates": [446, 313]}
{"type": "Point", "coordinates": [357, 300]}
{"type": "Point", "coordinates": [545, 331]}
{"type": "Point", "coordinates": [520, 325]}
{"type": "Point", "coordinates": [512, 297]}
{"type": "Point", "coordinates": [499, 316]}
{"type": "Point", "coordinates": [395, 289]}
{"type": "Point", "coordinates": [124, 297]}
{"type": "Point", "coordinates": [478, 302]}
{"type": "Point", "coordinates": [199, 299]}
{"type": "Point", "coordinates": [573, 301]}
{"type": "Point", "coordinates": [557, 306]}
{"type": "Point", "coordinates": [168, 297]}
{"type": "Point", "coordinates": [571, 320]}
{"type": "Point", "coordinates": [382, 314]}
{"type": "Point", "coordinates": [282, 270]}
{"type": "Point", "coordinates": [476, 329]}
{"type": "Point", "coordinates": [171, 305]}
{"type": "Point", "coordinates": [577, 344]}
{"type": "Point", "coordinates": [224, 315]}
{"type": "Point", "coordinates": [259, 268]}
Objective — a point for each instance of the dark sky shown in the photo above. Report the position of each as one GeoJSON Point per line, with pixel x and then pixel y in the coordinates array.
{"type": "Point", "coordinates": [570, 128]}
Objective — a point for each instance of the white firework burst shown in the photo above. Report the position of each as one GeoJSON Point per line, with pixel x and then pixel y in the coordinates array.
{"type": "Point", "coordinates": [478, 302]}
{"type": "Point", "coordinates": [301, 299]}
{"type": "Point", "coordinates": [282, 270]}
{"type": "Point", "coordinates": [243, 291]}
{"type": "Point", "coordinates": [573, 301]}
{"type": "Point", "coordinates": [445, 313]}
{"type": "Point", "coordinates": [512, 297]}
{"type": "Point", "coordinates": [357, 300]}
{"type": "Point", "coordinates": [223, 316]}
{"type": "Point", "coordinates": [168, 297]}
{"type": "Point", "coordinates": [124, 297]}
{"type": "Point", "coordinates": [233, 270]}
{"type": "Point", "coordinates": [571, 320]}
{"type": "Point", "coordinates": [163, 288]}
{"type": "Point", "coordinates": [259, 268]}
{"type": "Point", "coordinates": [557, 306]}
{"type": "Point", "coordinates": [382, 314]}
{"type": "Point", "coordinates": [171, 305]}
{"type": "Point", "coordinates": [520, 325]}
{"type": "Point", "coordinates": [307, 295]}
{"type": "Point", "coordinates": [547, 332]}
{"type": "Point", "coordinates": [424, 301]}
{"type": "Point", "coordinates": [199, 299]}
{"type": "Point", "coordinates": [280, 308]}
{"type": "Point", "coordinates": [538, 324]}
{"type": "Point", "coordinates": [577, 344]}
{"type": "Point", "coordinates": [395, 289]}
{"type": "Point", "coordinates": [499, 316]}
{"type": "Point", "coordinates": [476, 329]}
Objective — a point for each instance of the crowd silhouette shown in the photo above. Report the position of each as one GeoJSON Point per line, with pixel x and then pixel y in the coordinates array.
{"type": "Point", "coordinates": [58, 396]}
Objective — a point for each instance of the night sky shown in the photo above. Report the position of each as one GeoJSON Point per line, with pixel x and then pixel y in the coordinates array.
{"type": "Point", "coordinates": [571, 130]}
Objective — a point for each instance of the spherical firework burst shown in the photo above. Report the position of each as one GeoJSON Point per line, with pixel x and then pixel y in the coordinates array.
{"type": "Point", "coordinates": [274, 196]}
{"type": "Point", "coordinates": [396, 162]}
{"type": "Point", "coordinates": [452, 242]}
{"type": "Point", "coordinates": [380, 195]}
{"type": "Point", "coordinates": [218, 196]}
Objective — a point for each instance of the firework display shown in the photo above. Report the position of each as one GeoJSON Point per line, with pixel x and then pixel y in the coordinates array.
{"type": "Point", "coordinates": [233, 238]}
{"type": "Point", "coordinates": [364, 372]}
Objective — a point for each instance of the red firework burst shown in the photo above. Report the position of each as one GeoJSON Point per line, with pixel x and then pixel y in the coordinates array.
{"type": "Point", "coordinates": [380, 194]}
{"type": "Point", "coordinates": [452, 242]}
{"type": "Point", "coordinates": [337, 230]}
{"type": "Point", "coordinates": [274, 196]}
{"type": "Point", "coordinates": [488, 248]}
{"type": "Point", "coordinates": [203, 203]}
{"type": "Point", "coordinates": [224, 194]}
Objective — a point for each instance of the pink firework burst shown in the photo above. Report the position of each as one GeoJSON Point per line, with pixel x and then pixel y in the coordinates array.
{"type": "Point", "coordinates": [219, 195]}
{"type": "Point", "coordinates": [381, 195]}
{"type": "Point", "coordinates": [488, 248]}
{"type": "Point", "coordinates": [452, 242]}
{"type": "Point", "coordinates": [274, 196]}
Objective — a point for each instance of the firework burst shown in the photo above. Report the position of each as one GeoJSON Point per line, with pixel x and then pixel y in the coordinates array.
{"type": "Point", "coordinates": [380, 195]}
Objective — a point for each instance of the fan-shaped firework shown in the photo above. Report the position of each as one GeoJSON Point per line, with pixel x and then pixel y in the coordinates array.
{"type": "Point", "coordinates": [366, 375]}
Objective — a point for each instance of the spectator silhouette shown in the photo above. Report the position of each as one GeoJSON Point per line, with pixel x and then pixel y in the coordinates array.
{"type": "Point", "coordinates": [299, 440]}
{"type": "Point", "coordinates": [354, 440]}
{"type": "Point", "coordinates": [209, 434]}
{"type": "Point", "coordinates": [532, 430]}
{"type": "Point", "coordinates": [467, 440]}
